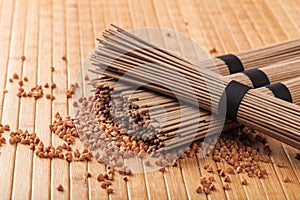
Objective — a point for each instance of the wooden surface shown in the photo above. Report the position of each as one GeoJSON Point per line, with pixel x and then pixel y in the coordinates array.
{"type": "Point", "coordinates": [44, 31]}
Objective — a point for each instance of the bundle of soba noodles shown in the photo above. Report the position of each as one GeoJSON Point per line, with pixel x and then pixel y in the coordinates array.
{"type": "Point", "coordinates": [125, 57]}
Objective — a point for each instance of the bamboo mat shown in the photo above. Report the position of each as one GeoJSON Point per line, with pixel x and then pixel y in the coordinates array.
{"type": "Point", "coordinates": [45, 31]}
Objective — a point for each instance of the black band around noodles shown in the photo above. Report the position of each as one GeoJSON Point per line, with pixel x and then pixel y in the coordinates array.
{"type": "Point", "coordinates": [233, 62]}
{"type": "Point", "coordinates": [257, 77]}
{"type": "Point", "coordinates": [232, 95]}
{"type": "Point", "coordinates": [281, 91]}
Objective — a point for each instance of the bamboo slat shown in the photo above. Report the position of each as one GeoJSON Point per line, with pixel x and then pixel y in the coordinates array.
{"type": "Point", "coordinates": [12, 64]}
